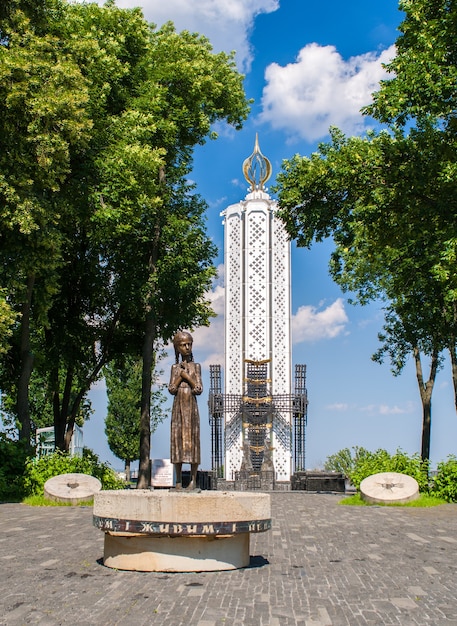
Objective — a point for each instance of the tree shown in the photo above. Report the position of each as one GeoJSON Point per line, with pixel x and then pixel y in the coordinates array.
{"type": "Point", "coordinates": [122, 423]}
{"type": "Point", "coordinates": [42, 98]}
{"type": "Point", "coordinates": [344, 461]}
{"type": "Point", "coordinates": [48, 116]}
{"type": "Point", "coordinates": [422, 90]}
{"type": "Point", "coordinates": [388, 218]}
{"type": "Point", "coordinates": [424, 71]}
{"type": "Point", "coordinates": [398, 341]}
{"type": "Point", "coordinates": [97, 211]}
{"type": "Point", "coordinates": [388, 200]}
{"type": "Point", "coordinates": [157, 247]}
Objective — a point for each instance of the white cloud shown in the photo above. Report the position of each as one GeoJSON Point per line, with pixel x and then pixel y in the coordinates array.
{"type": "Point", "coordinates": [209, 340]}
{"type": "Point", "coordinates": [237, 182]}
{"type": "Point", "coordinates": [208, 346]}
{"type": "Point", "coordinates": [226, 24]}
{"type": "Point", "coordinates": [373, 409]}
{"type": "Point", "coordinates": [385, 409]}
{"type": "Point", "coordinates": [321, 89]}
{"type": "Point", "coordinates": [311, 324]}
{"type": "Point", "coordinates": [215, 204]}
{"type": "Point", "coordinates": [338, 406]}
{"type": "Point", "coordinates": [99, 385]}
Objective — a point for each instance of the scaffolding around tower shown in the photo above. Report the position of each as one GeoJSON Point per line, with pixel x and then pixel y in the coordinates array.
{"type": "Point", "coordinates": [262, 418]}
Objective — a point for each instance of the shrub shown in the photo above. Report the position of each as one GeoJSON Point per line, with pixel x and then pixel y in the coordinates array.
{"type": "Point", "coordinates": [103, 471]}
{"type": "Point", "coordinates": [381, 461]}
{"type": "Point", "coordinates": [13, 455]}
{"type": "Point", "coordinates": [445, 483]}
{"type": "Point", "coordinates": [38, 471]}
{"type": "Point", "coordinates": [345, 461]}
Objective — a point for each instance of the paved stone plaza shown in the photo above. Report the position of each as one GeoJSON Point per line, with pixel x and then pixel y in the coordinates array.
{"type": "Point", "coordinates": [321, 565]}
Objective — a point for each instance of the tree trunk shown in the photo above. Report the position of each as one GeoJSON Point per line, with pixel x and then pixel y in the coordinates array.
{"type": "Point", "coordinates": [23, 407]}
{"type": "Point", "coordinates": [59, 428]}
{"type": "Point", "coordinates": [425, 390]}
{"type": "Point", "coordinates": [65, 414]}
{"type": "Point", "coordinates": [70, 426]}
{"type": "Point", "coordinates": [144, 478]}
{"type": "Point", "coordinates": [426, 429]}
{"type": "Point", "coordinates": [73, 412]}
{"type": "Point", "coordinates": [453, 353]}
{"type": "Point", "coordinates": [144, 469]}
{"type": "Point", "coordinates": [60, 410]}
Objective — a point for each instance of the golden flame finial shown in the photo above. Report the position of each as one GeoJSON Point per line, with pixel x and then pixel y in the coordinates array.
{"type": "Point", "coordinates": [257, 168]}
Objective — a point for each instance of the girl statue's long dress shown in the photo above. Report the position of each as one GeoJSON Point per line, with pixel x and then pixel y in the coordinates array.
{"type": "Point", "coordinates": [185, 420]}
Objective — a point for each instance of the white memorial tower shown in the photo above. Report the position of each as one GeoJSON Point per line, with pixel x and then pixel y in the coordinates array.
{"type": "Point", "coordinates": [256, 412]}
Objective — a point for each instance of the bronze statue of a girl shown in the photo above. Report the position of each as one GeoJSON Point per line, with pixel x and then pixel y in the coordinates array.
{"type": "Point", "coordinates": [185, 384]}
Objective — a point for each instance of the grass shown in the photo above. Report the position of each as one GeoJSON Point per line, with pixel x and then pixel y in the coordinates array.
{"type": "Point", "coordinates": [424, 500]}
{"type": "Point", "coordinates": [40, 500]}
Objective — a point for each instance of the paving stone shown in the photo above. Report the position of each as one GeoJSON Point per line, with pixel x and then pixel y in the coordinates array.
{"type": "Point", "coordinates": [321, 565]}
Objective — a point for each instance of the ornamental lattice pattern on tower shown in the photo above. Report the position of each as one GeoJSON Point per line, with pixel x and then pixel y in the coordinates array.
{"type": "Point", "coordinates": [281, 308]}
{"type": "Point", "coordinates": [233, 284]}
{"type": "Point", "coordinates": [256, 285]}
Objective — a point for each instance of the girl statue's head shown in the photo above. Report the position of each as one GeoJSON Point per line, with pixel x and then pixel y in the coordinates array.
{"type": "Point", "coordinates": [182, 337]}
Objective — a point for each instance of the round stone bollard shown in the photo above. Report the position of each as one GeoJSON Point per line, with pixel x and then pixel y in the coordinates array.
{"type": "Point", "coordinates": [167, 531]}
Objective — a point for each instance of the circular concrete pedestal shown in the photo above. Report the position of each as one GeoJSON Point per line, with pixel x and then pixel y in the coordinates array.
{"type": "Point", "coordinates": [167, 531]}
{"type": "Point", "coordinates": [176, 554]}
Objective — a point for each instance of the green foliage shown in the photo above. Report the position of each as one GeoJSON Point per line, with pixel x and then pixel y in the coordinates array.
{"type": "Point", "coordinates": [105, 474]}
{"type": "Point", "coordinates": [7, 318]}
{"type": "Point", "coordinates": [381, 461]}
{"type": "Point", "coordinates": [13, 456]}
{"type": "Point", "coordinates": [38, 471]}
{"type": "Point", "coordinates": [40, 500]}
{"type": "Point", "coordinates": [353, 189]}
{"type": "Point", "coordinates": [101, 235]}
{"type": "Point", "coordinates": [423, 75]}
{"type": "Point", "coordinates": [445, 483]}
{"type": "Point", "coordinates": [388, 200]}
{"type": "Point", "coordinates": [423, 501]}
{"type": "Point", "coordinates": [345, 461]}
{"type": "Point", "coordinates": [362, 463]}
{"type": "Point", "coordinates": [122, 423]}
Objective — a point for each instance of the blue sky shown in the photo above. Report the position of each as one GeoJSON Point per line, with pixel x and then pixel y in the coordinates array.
{"type": "Point", "coordinates": [308, 65]}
